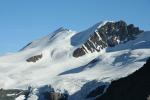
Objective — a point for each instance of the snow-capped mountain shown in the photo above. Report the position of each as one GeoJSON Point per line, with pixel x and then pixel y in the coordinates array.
{"type": "Point", "coordinates": [76, 62]}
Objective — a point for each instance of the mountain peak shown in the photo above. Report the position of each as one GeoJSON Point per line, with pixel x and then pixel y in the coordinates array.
{"type": "Point", "coordinates": [107, 34]}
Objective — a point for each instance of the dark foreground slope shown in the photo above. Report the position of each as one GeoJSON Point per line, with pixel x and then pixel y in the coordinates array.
{"type": "Point", "coordinates": [134, 87]}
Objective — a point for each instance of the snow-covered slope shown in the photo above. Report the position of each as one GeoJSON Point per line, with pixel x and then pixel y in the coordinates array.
{"type": "Point", "coordinates": [57, 66]}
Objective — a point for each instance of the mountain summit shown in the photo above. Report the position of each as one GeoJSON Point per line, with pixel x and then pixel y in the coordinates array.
{"type": "Point", "coordinates": [108, 34]}
{"type": "Point", "coordinates": [74, 63]}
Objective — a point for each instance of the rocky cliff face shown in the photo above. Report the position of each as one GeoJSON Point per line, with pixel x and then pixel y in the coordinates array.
{"type": "Point", "coordinates": [108, 35]}
{"type": "Point", "coordinates": [134, 87]}
{"type": "Point", "coordinates": [12, 94]}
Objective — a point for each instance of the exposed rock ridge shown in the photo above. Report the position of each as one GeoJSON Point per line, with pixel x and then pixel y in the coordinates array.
{"type": "Point", "coordinates": [108, 35]}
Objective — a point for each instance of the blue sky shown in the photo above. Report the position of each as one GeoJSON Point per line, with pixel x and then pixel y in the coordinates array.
{"type": "Point", "coordinates": [22, 21]}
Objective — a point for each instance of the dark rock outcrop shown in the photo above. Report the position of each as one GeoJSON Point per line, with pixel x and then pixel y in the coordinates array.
{"type": "Point", "coordinates": [43, 93]}
{"type": "Point", "coordinates": [133, 87]}
{"type": "Point", "coordinates": [55, 96]}
{"type": "Point", "coordinates": [12, 94]}
{"type": "Point", "coordinates": [34, 58]}
{"type": "Point", "coordinates": [109, 35]}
